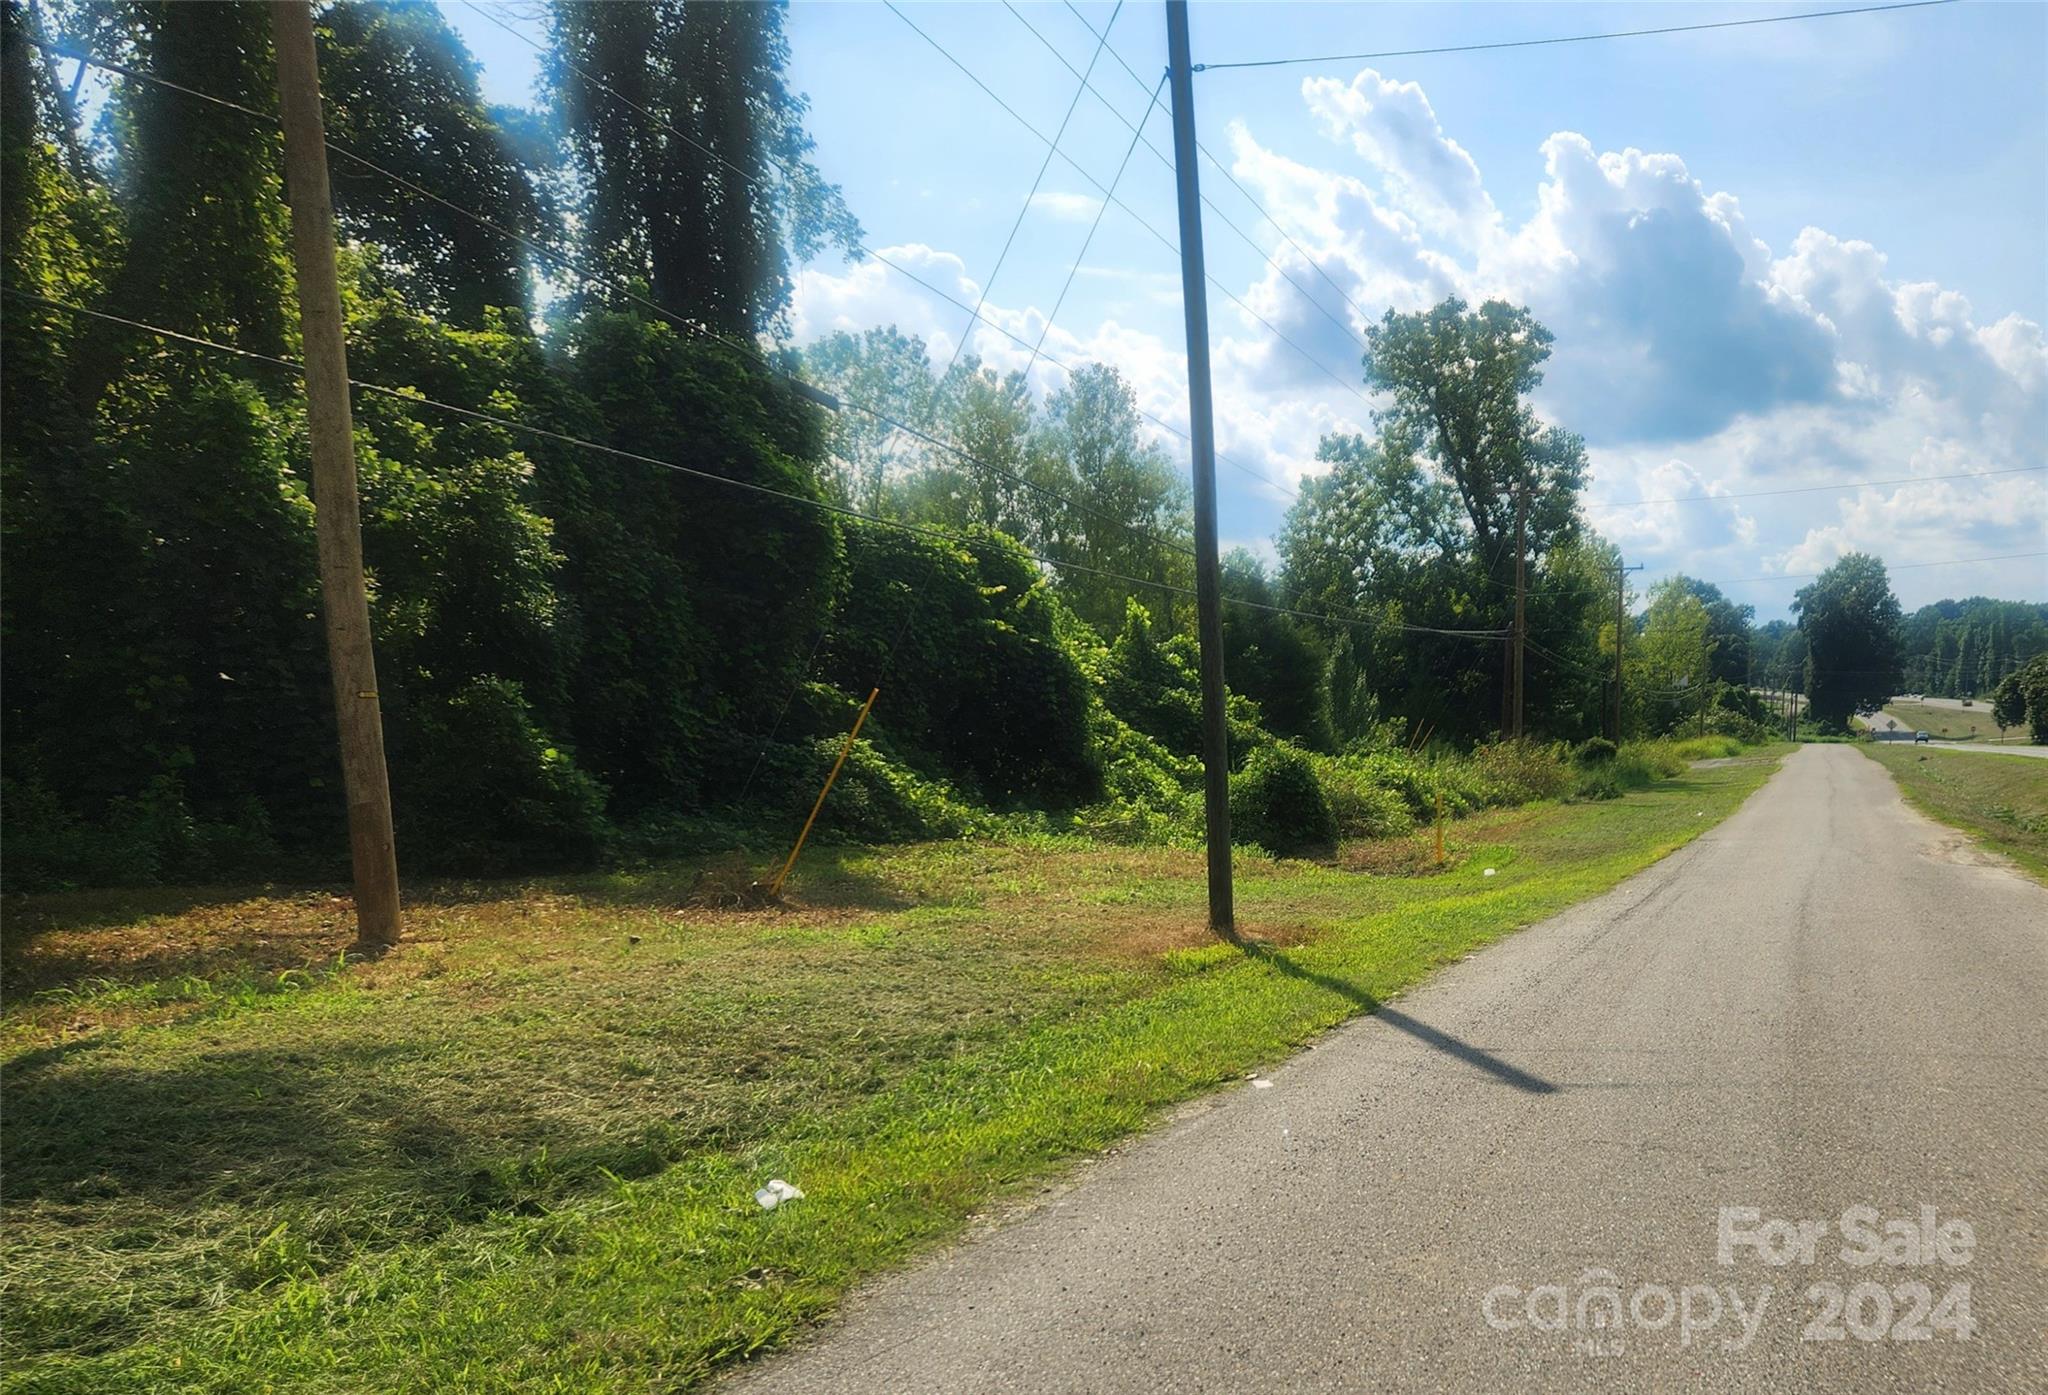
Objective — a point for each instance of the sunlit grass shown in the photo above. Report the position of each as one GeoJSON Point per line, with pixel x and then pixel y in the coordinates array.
{"type": "Point", "coordinates": [2002, 800]}
{"type": "Point", "coordinates": [1949, 723]}
{"type": "Point", "coordinates": [519, 1152]}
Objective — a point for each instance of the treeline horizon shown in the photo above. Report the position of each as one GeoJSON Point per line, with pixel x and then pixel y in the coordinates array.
{"type": "Point", "coordinates": [583, 655]}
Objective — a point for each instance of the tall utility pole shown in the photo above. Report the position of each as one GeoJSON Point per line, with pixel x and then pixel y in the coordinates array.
{"type": "Point", "coordinates": [1620, 624]}
{"type": "Point", "coordinates": [1521, 597]}
{"type": "Point", "coordinates": [1202, 446]}
{"type": "Point", "coordinates": [337, 523]}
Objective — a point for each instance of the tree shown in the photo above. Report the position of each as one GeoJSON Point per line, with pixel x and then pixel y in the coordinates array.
{"type": "Point", "coordinates": [692, 165]}
{"type": "Point", "coordinates": [1460, 381]}
{"type": "Point", "coordinates": [1852, 623]}
{"type": "Point", "coordinates": [1672, 661]}
{"type": "Point", "coordinates": [887, 371]}
{"type": "Point", "coordinates": [2023, 696]}
{"type": "Point", "coordinates": [1728, 627]}
{"type": "Point", "coordinates": [1108, 501]}
{"type": "Point", "coordinates": [1267, 656]}
{"type": "Point", "coordinates": [401, 90]}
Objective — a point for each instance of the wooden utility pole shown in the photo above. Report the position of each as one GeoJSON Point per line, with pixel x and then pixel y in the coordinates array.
{"type": "Point", "coordinates": [337, 525]}
{"type": "Point", "coordinates": [1620, 623]}
{"type": "Point", "coordinates": [1521, 597]}
{"type": "Point", "coordinates": [1202, 447]}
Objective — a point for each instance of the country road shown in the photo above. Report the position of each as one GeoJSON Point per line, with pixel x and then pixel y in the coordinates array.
{"type": "Point", "coordinates": [1827, 1002]}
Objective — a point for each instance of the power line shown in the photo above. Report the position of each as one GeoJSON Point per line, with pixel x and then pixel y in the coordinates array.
{"type": "Point", "coordinates": [1225, 171]}
{"type": "Point", "coordinates": [898, 267]}
{"type": "Point", "coordinates": [1110, 195]}
{"type": "Point", "coordinates": [416, 398]}
{"type": "Point", "coordinates": [1820, 488]}
{"type": "Point", "coordinates": [1136, 133]}
{"type": "Point", "coordinates": [1569, 38]}
{"type": "Point", "coordinates": [1037, 180]}
{"type": "Point", "coordinates": [1167, 164]}
{"type": "Point", "coordinates": [567, 263]}
{"type": "Point", "coordinates": [1900, 567]}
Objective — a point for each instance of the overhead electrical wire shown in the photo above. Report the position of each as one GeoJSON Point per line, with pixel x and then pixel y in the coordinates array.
{"type": "Point", "coordinates": [1089, 241]}
{"type": "Point", "coordinates": [1110, 195]}
{"type": "Point", "coordinates": [415, 398]}
{"type": "Point", "coordinates": [1166, 162]}
{"type": "Point", "coordinates": [1211, 204]}
{"type": "Point", "coordinates": [1569, 38]}
{"type": "Point", "coordinates": [897, 266]}
{"type": "Point", "coordinates": [566, 263]}
{"type": "Point", "coordinates": [1038, 180]}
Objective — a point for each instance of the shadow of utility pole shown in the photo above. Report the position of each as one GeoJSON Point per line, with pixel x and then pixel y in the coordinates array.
{"type": "Point", "coordinates": [1429, 1036]}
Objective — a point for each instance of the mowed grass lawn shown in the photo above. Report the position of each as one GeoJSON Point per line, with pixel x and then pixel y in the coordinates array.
{"type": "Point", "coordinates": [2003, 800]}
{"type": "Point", "coordinates": [1949, 723]}
{"type": "Point", "coordinates": [519, 1152]}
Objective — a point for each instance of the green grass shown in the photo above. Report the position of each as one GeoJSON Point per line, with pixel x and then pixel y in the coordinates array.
{"type": "Point", "coordinates": [2000, 800]}
{"type": "Point", "coordinates": [518, 1153]}
{"type": "Point", "coordinates": [1950, 723]}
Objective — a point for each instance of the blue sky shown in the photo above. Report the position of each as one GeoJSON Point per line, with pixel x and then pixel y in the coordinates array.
{"type": "Point", "coordinates": [1773, 256]}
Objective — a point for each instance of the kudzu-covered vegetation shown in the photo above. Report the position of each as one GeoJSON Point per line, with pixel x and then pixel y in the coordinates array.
{"type": "Point", "coordinates": [587, 656]}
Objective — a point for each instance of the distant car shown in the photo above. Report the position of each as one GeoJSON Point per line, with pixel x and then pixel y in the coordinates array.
{"type": "Point", "coordinates": [1918, 737]}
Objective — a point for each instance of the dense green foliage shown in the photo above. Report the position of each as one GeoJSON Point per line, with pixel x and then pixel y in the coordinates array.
{"type": "Point", "coordinates": [1852, 625]}
{"type": "Point", "coordinates": [2023, 697]}
{"type": "Point", "coordinates": [659, 643]}
{"type": "Point", "coordinates": [1967, 648]}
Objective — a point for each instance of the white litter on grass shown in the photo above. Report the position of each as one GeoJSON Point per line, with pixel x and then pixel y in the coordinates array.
{"type": "Point", "coordinates": [775, 1193]}
{"type": "Point", "coordinates": [1487, 873]}
{"type": "Point", "coordinates": [1262, 1084]}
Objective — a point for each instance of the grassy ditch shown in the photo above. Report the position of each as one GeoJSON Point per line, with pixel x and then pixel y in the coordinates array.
{"type": "Point", "coordinates": [519, 1152]}
{"type": "Point", "coordinates": [2002, 801]}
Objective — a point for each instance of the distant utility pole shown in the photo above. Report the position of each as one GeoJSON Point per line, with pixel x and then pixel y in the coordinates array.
{"type": "Point", "coordinates": [1521, 596]}
{"type": "Point", "coordinates": [337, 523]}
{"type": "Point", "coordinates": [1202, 446]}
{"type": "Point", "coordinates": [1620, 623]}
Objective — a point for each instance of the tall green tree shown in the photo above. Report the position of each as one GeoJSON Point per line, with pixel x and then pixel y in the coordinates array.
{"type": "Point", "coordinates": [886, 371]}
{"type": "Point", "coordinates": [1270, 658]}
{"type": "Point", "coordinates": [401, 90]}
{"type": "Point", "coordinates": [1853, 627]}
{"type": "Point", "coordinates": [690, 155]}
{"type": "Point", "coordinates": [1459, 380]}
{"type": "Point", "coordinates": [1109, 501]}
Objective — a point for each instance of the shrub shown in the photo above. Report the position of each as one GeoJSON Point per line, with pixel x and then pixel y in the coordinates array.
{"type": "Point", "coordinates": [878, 800]}
{"type": "Point", "coordinates": [1596, 782]}
{"type": "Point", "coordinates": [478, 788]}
{"type": "Point", "coordinates": [1744, 728]}
{"type": "Point", "coordinates": [1596, 750]}
{"type": "Point", "coordinates": [1362, 807]}
{"type": "Point", "coordinates": [1640, 764]}
{"type": "Point", "coordinates": [1516, 772]}
{"type": "Point", "coordinates": [1276, 803]}
{"type": "Point", "coordinates": [1706, 748]}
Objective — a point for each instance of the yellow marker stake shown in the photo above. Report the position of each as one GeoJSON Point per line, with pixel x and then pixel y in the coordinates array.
{"type": "Point", "coordinates": [775, 887]}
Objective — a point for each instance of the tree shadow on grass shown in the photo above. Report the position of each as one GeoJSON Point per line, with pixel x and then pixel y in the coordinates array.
{"type": "Point", "coordinates": [1476, 1057]}
{"type": "Point", "coordinates": [267, 1126]}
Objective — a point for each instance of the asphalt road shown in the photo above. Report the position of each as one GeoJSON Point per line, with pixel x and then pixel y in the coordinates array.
{"type": "Point", "coordinates": [2037, 752]}
{"type": "Point", "coordinates": [1827, 1002]}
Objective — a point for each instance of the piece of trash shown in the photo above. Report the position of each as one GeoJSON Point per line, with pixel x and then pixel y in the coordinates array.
{"type": "Point", "coordinates": [1487, 873]}
{"type": "Point", "coordinates": [1699, 813]}
{"type": "Point", "coordinates": [775, 1193]}
{"type": "Point", "coordinates": [1262, 1084]}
